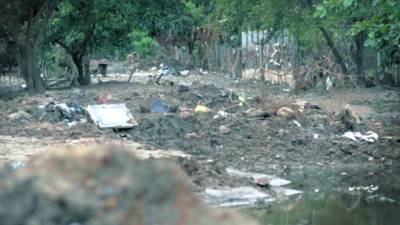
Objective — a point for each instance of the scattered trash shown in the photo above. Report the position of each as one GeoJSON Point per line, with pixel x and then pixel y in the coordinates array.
{"type": "Point", "coordinates": [329, 84]}
{"type": "Point", "coordinates": [191, 135]}
{"type": "Point", "coordinates": [257, 113]}
{"type": "Point", "coordinates": [286, 112]}
{"type": "Point", "coordinates": [243, 98]}
{"type": "Point", "coordinates": [111, 116]}
{"type": "Point", "coordinates": [370, 136]}
{"type": "Point", "coordinates": [316, 136]}
{"type": "Point", "coordinates": [184, 72]}
{"type": "Point", "coordinates": [312, 106]}
{"type": "Point", "coordinates": [158, 107]}
{"type": "Point", "coordinates": [167, 70]}
{"type": "Point", "coordinates": [221, 114]}
{"type": "Point", "coordinates": [200, 108]}
{"type": "Point", "coordinates": [286, 191]}
{"type": "Point", "coordinates": [67, 112]}
{"type": "Point", "coordinates": [297, 123]}
{"type": "Point", "coordinates": [235, 197]}
{"type": "Point", "coordinates": [259, 178]}
{"type": "Point", "coordinates": [369, 189]}
{"type": "Point", "coordinates": [72, 124]}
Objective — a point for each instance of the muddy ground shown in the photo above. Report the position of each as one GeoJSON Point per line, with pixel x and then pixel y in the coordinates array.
{"type": "Point", "coordinates": [314, 156]}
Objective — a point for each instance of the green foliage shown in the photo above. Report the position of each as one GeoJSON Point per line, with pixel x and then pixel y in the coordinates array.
{"type": "Point", "coordinates": [92, 25]}
{"type": "Point", "coordinates": [384, 30]}
{"type": "Point", "coordinates": [54, 62]}
{"type": "Point", "coordinates": [143, 44]}
{"type": "Point", "coordinates": [199, 52]}
{"type": "Point", "coordinates": [380, 19]}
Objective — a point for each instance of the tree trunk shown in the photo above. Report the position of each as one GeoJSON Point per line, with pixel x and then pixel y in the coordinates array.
{"type": "Point", "coordinates": [358, 54]}
{"type": "Point", "coordinates": [334, 50]}
{"type": "Point", "coordinates": [30, 71]}
{"type": "Point", "coordinates": [239, 65]}
{"type": "Point", "coordinates": [83, 78]}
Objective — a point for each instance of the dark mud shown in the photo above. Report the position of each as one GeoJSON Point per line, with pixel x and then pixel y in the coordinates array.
{"type": "Point", "coordinates": [313, 156]}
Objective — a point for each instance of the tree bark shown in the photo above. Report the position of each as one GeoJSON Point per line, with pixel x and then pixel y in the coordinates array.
{"type": "Point", "coordinates": [334, 50]}
{"type": "Point", "coordinates": [331, 44]}
{"type": "Point", "coordinates": [358, 53]}
{"type": "Point", "coordinates": [83, 78]}
{"type": "Point", "coordinates": [30, 71]}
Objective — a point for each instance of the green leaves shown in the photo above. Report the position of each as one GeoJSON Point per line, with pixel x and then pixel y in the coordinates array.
{"type": "Point", "coordinates": [142, 43]}
{"type": "Point", "coordinates": [347, 3]}
{"type": "Point", "coordinates": [320, 12]}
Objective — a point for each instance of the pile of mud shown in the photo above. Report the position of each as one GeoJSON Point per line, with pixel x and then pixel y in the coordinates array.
{"type": "Point", "coordinates": [102, 186]}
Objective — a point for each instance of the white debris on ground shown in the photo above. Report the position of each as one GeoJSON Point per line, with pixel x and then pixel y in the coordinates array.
{"type": "Point", "coordinates": [369, 189]}
{"type": "Point", "coordinates": [259, 178]}
{"type": "Point", "coordinates": [370, 136]}
{"type": "Point", "coordinates": [247, 196]}
{"type": "Point", "coordinates": [235, 197]}
{"type": "Point", "coordinates": [111, 116]}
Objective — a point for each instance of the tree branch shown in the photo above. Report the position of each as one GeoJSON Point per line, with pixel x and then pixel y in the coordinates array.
{"type": "Point", "coordinates": [65, 47]}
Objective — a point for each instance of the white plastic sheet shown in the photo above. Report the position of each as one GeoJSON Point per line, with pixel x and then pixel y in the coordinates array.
{"type": "Point", "coordinates": [111, 116]}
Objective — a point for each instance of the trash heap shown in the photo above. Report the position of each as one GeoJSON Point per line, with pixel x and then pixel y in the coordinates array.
{"type": "Point", "coordinates": [69, 113]}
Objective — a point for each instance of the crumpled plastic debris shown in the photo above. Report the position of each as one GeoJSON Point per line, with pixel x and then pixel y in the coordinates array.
{"type": "Point", "coordinates": [370, 136]}
{"type": "Point", "coordinates": [221, 114]}
{"type": "Point", "coordinates": [235, 197]}
{"type": "Point", "coordinates": [158, 107]}
{"type": "Point", "coordinates": [201, 109]}
{"type": "Point", "coordinates": [369, 189]}
{"type": "Point", "coordinates": [67, 112]}
{"type": "Point", "coordinates": [329, 84]}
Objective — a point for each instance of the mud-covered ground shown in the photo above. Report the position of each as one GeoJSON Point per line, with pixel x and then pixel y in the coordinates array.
{"type": "Point", "coordinates": [313, 155]}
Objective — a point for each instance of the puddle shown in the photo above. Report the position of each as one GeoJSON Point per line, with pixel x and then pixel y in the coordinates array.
{"type": "Point", "coordinates": [333, 209]}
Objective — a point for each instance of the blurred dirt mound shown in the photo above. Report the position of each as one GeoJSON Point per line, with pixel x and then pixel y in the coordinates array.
{"type": "Point", "coordinates": [102, 186]}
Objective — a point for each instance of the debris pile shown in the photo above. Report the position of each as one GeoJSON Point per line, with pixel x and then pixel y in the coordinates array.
{"type": "Point", "coordinates": [65, 112]}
